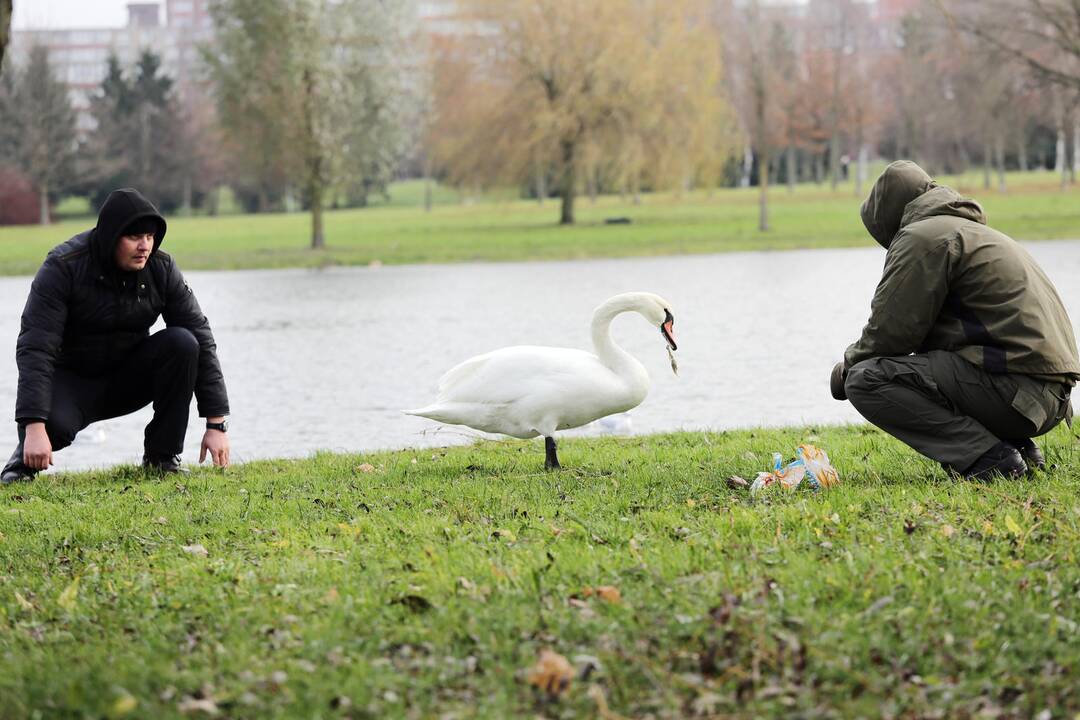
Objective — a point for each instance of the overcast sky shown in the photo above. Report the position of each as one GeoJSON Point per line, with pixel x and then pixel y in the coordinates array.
{"type": "Point", "coordinates": [69, 13]}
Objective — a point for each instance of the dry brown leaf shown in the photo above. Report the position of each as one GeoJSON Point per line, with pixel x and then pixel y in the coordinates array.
{"type": "Point", "coordinates": [366, 468]}
{"type": "Point", "coordinates": [735, 481]}
{"type": "Point", "coordinates": [607, 593]}
{"type": "Point", "coordinates": [552, 673]}
{"type": "Point", "coordinates": [197, 705]}
{"type": "Point", "coordinates": [596, 694]}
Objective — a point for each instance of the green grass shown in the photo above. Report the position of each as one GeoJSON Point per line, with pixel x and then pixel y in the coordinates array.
{"type": "Point", "coordinates": [489, 229]}
{"type": "Point", "coordinates": [426, 586]}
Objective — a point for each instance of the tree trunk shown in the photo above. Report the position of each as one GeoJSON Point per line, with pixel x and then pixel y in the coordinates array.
{"type": "Point", "coordinates": [1021, 149]}
{"type": "Point", "coordinates": [790, 157]}
{"type": "Point", "coordinates": [999, 161]}
{"type": "Point", "coordinates": [569, 181]}
{"type": "Point", "coordinates": [861, 169]}
{"type": "Point", "coordinates": [763, 192]}
{"type": "Point", "coordinates": [541, 182]}
{"type": "Point", "coordinates": [318, 238]}
{"type": "Point", "coordinates": [1059, 152]}
{"type": "Point", "coordinates": [185, 204]}
{"type": "Point", "coordinates": [1076, 146]}
{"type": "Point", "coordinates": [427, 184]}
{"type": "Point", "coordinates": [987, 163]}
{"type": "Point", "coordinates": [747, 166]}
{"type": "Point", "coordinates": [819, 169]}
{"type": "Point", "coordinates": [43, 202]}
{"type": "Point", "coordinates": [834, 161]}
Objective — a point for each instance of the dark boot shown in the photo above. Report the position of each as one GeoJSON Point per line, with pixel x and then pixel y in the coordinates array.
{"type": "Point", "coordinates": [1031, 453]}
{"type": "Point", "coordinates": [15, 470]}
{"type": "Point", "coordinates": [163, 464]}
{"type": "Point", "coordinates": [1002, 459]}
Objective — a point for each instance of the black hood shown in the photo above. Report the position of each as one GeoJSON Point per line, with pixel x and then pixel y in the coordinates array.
{"type": "Point", "coordinates": [120, 209]}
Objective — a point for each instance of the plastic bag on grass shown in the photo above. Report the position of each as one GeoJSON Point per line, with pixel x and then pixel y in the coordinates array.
{"type": "Point", "coordinates": [787, 477]}
{"type": "Point", "coordinates": [811, 465]}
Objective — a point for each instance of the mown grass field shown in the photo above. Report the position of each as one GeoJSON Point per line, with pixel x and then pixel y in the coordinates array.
{"type": "Point", "coordinates": [424, 584]}
{"type": "Point", "coordinates": [488, 229]}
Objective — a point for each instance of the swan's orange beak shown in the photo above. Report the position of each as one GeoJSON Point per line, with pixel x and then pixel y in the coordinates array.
{"type": "Point", "coordinates": [667, 329]}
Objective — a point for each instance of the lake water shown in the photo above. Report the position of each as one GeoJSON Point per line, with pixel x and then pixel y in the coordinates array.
{"type": "Point", "coordinates": [326, 359]}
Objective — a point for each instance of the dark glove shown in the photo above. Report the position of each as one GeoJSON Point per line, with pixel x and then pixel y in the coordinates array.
{"type": "Point", "coordinates": [836, 382]}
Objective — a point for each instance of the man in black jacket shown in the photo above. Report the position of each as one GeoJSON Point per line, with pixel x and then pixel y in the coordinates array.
{"type": "Point", "coordinates": [85, 352]}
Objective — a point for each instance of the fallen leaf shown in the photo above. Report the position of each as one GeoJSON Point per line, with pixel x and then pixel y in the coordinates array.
{"type": "Point", "coordinates": [609, 593]}
{"type": "Point", "coordinates": [23, 602]}
{"type": "Point", "coordinates": [596, 694]}
{"type": "Point", "coordinates": [197, 705]}
{"type": "Point", "coordinates": [124, 705]}
{"type": "Point", "coordinates": [196, 549]}
{"type": "Point", "coordinates": [162, 520]}
{"type": "Point", "coordinates": [948, 530]}
{"type": "Point", "coordinates": [1012, 526]}
{"type": "Point", "coordinates": [331, 596]}
{"type": "Point", "coordinates": [416, 603]}
{"type": "Point", "coordinates": [366, 468]}
{"type": "Point", "coordinates": [70, 596]}
{"type": "Point", "coordinates": [505, 534]}
{"type": "Point", "coordinates": [735, 481]}
{"type": "Point", "coordinates": [552, 673]}
{"type": "Point", "coordinates": [690, 502]}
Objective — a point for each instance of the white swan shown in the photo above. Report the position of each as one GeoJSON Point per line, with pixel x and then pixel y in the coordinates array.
{"type": "Point", "coordinates": [528, 391]}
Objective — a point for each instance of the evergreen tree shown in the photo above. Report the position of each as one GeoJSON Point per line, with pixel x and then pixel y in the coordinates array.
{"type": "Point", "coordinates": [139, 140]}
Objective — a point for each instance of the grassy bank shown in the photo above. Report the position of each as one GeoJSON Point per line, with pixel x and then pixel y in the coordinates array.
{"type": "Point", "coordinates": [726, 220]}
{"type": "Point", "coordinates": [423, 584]}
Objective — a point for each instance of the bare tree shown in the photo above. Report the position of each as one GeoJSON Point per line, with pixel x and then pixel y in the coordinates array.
{"type": "Point", "coordinates": [1043, 34]}
{"type": "Point", "coordinates": [5, 24]}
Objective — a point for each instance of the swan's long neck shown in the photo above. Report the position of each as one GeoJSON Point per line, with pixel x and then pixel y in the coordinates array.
{"type": "Point", "coordinates": [613, 356]}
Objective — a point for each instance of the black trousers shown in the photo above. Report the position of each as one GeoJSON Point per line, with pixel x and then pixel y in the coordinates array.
{"type": "Point", "coordinates": [950, 410]}
{"type": "Point", "coordinates": [160, 370]}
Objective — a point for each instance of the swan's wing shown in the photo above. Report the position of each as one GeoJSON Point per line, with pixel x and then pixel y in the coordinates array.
{"type": "Point", "coordinates": [505, 375]}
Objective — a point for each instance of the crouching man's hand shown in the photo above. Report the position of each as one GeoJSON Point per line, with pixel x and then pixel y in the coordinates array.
{"type": "Point", "coordinates": [217, 444]}
{"type": "Point", "coordinates": [37, 448]}
{"type": "Point", "coordinates": [836, 382]}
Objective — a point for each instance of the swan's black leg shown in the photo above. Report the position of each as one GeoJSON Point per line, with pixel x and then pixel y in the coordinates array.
{"type": "Point", "coordinates": [552, 460]}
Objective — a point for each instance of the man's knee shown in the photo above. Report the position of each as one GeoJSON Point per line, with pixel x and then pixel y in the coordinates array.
{"type": "Point", "coordinates": [62, 430]}
{"type": "Point", "coordinates": [180, 341]}
{"type": "Point", "coordinates": [862, 379]}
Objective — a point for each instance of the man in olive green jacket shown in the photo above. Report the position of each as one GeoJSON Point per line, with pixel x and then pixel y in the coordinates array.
{"type": "Point", "coordinates": [968, 353]}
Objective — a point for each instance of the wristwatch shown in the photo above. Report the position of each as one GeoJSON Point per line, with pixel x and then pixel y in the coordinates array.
{"type": "Point", "coordinates": [222, 426]}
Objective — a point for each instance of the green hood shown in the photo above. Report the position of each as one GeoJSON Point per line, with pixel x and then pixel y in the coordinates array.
{"type": "Point", "coordinates": [904, 194]}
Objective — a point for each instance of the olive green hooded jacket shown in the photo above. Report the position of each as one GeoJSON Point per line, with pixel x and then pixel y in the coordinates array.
{"type": "Point", "coordinates": [952, 283]}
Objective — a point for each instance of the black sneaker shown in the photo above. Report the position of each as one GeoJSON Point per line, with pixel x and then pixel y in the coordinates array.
{"type": "Point", "coordinates": [164, 464]}
{"type": "Point", "coordinates": [15, 471]}
{"type": "Point", "coordinates": [1002, 459]}
{"type": "Point", "coordinates": [1031, 453]}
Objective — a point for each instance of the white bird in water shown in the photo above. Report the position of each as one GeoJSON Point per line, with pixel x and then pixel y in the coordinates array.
{"type": "Point", "coordinates": [528, 391]}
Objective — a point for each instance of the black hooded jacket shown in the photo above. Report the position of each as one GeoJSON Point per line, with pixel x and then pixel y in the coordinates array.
{"type": "Point", "coordinates": [85, 314]}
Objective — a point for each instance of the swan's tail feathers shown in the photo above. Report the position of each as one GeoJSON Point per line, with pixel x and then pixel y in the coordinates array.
{"type": "Point", "coordinates": [427, 412]}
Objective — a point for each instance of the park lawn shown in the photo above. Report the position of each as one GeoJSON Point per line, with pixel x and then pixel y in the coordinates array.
{"type": "Point", "coordinates": [424, 583]}
{"type": "Point", "coordinates": [512, 230]}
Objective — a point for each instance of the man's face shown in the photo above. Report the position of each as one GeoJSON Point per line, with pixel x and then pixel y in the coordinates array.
{"type": "Point", "coordinates": [132, 251]}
